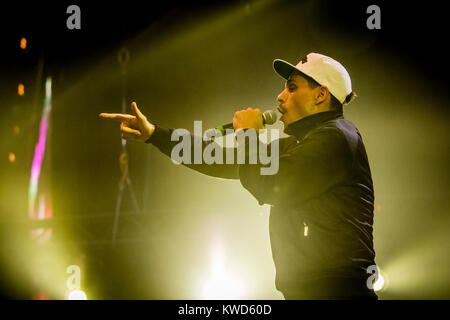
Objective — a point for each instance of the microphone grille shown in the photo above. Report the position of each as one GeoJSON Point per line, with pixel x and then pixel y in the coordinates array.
{"type": "Point", "coordinates": [269, 117]}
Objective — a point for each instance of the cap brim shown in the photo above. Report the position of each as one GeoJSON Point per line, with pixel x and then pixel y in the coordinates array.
{"type": "Point", "coordinates": [284, 68]}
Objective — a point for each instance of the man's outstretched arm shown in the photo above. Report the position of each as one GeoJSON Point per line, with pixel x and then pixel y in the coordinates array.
{"type": "Point", "coordinates": [137, 127]}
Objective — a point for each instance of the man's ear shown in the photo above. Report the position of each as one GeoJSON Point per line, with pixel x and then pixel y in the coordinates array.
{"type": "Point", "coordinates": [322, 94]}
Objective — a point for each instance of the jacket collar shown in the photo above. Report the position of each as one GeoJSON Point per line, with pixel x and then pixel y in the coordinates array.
{"type": "Point", "coordinates": [301, 127]}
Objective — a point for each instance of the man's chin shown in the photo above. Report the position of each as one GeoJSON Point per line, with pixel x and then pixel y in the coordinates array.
{"type": "Point", "coordinates": [284, 126]}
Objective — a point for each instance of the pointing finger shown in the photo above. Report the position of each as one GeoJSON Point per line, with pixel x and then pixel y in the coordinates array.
{"type": "Point", "coordinates": [117, 117]}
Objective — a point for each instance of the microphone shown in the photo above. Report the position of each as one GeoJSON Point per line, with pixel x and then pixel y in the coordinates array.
{"type": "Point", "coordinates": [268, 117]}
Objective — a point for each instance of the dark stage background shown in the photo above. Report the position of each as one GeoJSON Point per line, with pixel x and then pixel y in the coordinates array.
{"type": "Point", "coordinates": [203, 61]}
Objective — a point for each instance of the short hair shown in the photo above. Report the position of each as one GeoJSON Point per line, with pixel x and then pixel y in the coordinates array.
{"type": "Point", "coordinates": [335, 105]}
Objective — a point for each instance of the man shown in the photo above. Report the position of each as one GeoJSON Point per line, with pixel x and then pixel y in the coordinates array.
{"type": "Point", "coordinates": [322, 195]}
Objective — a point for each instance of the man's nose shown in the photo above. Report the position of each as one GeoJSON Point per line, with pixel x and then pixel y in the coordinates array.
{"type": "Point", "coordinates": [280, 97]}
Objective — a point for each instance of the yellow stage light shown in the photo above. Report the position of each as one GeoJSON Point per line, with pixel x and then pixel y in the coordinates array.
{"type": "Point", "coordinates": [379, 284]}
{"type": "Point", "coordinates": [222, 285]}
{"type": "Point", "coordinates": [77, 295]}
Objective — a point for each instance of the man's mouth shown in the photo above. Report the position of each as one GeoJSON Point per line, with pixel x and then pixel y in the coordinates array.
{"type": "Point", "coordinates": [282, 113]}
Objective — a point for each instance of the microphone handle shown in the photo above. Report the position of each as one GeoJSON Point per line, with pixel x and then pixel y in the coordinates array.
{"type": "Point", "coordinates": [224, 127]}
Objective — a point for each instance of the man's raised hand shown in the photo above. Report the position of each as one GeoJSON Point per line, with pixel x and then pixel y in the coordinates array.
{"type": "Point", "coordinates": [133, 127]}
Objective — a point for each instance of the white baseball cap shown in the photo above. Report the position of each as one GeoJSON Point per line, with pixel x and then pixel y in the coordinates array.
{"type": "Point", "coordinates": [324, 70]}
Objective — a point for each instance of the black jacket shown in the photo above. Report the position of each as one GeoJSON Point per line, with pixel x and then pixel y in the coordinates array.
{"type": "Point", "coordinates": [321, 202]}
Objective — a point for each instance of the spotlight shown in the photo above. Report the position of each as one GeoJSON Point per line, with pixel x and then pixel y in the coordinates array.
{"type": "Point", "coordinates": [77, 295]}
{"type": "Point", "coordinates": [379, 280]}
{"type": "Point", "coordinates": [222, 285]}
{"type": "Point", "coordinates": [379, 284]}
